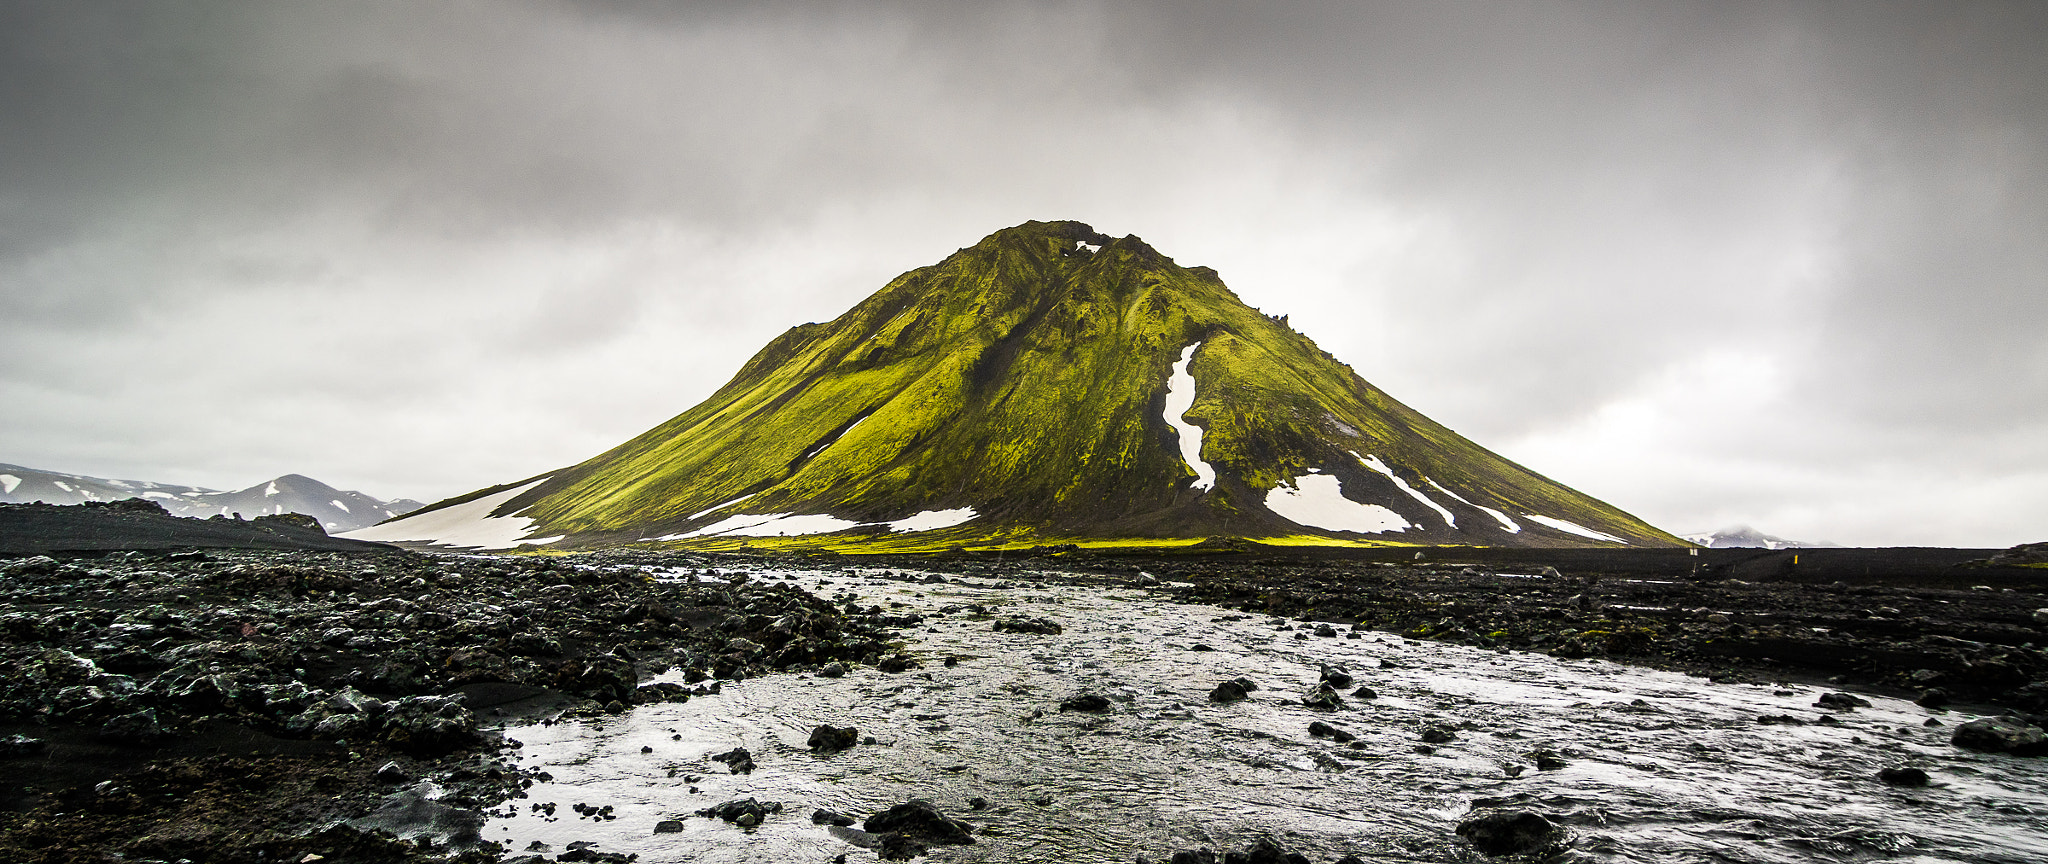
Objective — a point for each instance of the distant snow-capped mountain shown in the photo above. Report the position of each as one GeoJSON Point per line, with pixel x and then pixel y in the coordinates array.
{"type": "Point", "coordinates": [1745, 537]}
{"type": "Point", "coordinates": [293, 493]}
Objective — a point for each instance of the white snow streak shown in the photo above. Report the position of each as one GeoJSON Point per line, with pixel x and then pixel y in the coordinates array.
{"type": "Point", "coordinates": [787, 525]}
{"type": "Point", "coordinates": [1575, 528]}
{"type": "Point", "coordinates": [270, 489]}
{"type": "Point", "coordinates": [1375, 464]}
{"type": "Point", "coordinates": [1180, 396]}
{"type": "Point", "coordinates": [467, 525]}
{"type": "Point", "coordinates": [1318, 502]}
{"type": "Point", "coordinates": [717, 507]}
{"type": "Point", "coordinates": [62, 485]}
{"type": "Point", "coordinates": [933, 520]}
{"type": "Point", "coordinates": [1498, 516]}
{"type": "Point", "coordinates": [9, 481]}
{"type": "Point", "coordinates": [344, 507]}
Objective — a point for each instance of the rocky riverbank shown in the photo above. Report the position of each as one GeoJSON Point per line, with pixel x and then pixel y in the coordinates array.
{"type": "Point", "coordinates": [1979, 645]}
{"type": "Point", "coordinates": [258, 705]}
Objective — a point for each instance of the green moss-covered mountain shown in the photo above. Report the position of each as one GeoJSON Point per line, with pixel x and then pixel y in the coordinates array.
{"type": "Point", "coordinates": [1017, 392]}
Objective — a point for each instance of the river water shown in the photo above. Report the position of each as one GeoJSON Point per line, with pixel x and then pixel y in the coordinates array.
{"type": "Point", "coordinates": [1660, 767]}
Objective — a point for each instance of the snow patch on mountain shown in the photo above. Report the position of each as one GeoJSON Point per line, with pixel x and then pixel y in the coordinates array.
{"type": "Point", "coordinates": [1180, 396]}
{"type": "Point", "coordinates": [933, 520]}
{"type": "Point", "coordinates": [1506, 524]}
{"type": "Point", "coordinates": [467, 525]}
{"type": "Point", "coordinates": [1375, 464]}
{"type": "Point", "coordinates": [721, 506]}
{"type": "Point", "coordinates": [1574, 528]}
{"type": "Point", "coordinates": [8, 482]}
{"type": "Point", "coordinates": [1317, 501]}
{"type": "Point", "coordinates": [790, 525]}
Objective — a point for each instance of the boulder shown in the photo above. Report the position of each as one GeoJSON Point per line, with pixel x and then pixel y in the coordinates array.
{"type": "Point", "coordinates": [1841, 702]}
{"type": "Point", "coordinates": [1084, 702]}
{"type": "Point", "coordinates": [1233, 690]}
{"type": "Point", "coordinates": [2000, 735]}
{"type": "Point", "coordinates": [1020, 624]}
{"type": "Point", "coordinates": [917, 819]}
{"type": "Point", "coordinates": [1322, 698]}
{"type": "Point", "coordinates": [827, 738]}
{"type": "Point", "coordinates": [1903, 776]}
{"type": "Point", "coordinates": [1319, 729]}
{"type": "Point", "coordinates": [1509, 832]}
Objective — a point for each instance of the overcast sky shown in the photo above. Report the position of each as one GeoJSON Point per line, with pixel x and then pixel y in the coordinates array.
{"type": "Point", "coordinates": [1783, 264]}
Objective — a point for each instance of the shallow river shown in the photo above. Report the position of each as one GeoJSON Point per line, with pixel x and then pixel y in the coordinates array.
{"type": "Point", "coordinates": [1660, 767]}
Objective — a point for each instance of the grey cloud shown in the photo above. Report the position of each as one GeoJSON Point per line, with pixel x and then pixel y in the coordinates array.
{"type": "Point", "coordinates": [375, 214]}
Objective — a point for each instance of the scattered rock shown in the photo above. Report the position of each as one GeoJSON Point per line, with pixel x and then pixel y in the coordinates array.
{"type": "Point", "coordinates": [1322, 698]}
{"type": "Point", "coordinates": [21, 745]}
{"type": "Point", "coordinates": [1084, 702]}
{"type": "Point", "coordinates": [737, 759]}
{"type": "Point", "coordinates": [1233, 690]}
{"type": "Point", "coordinates": [1264, 850]}
{"type": "Point", "coordinates": [1336, 677]}
{"type": "Point", "coordinates": [1509, 832]}
{"type": "Point", "coordinates": [1439, 735]}
{"type": "Point", "coordinates": [1319, 729]}
{"type": "Point", "coordinates": [2000, 735]}
{"type": "Point", "coordinates": [822, 816]}
{"type": "Point", "coordinates": [668, 826]}
{"type": "Point", "coordinates": [1841, 702]}
{"type": "Point", "coordinates": [1019, 624]}
{"type": "Point", "coordinates": [1547, 760]}
{"type": "Point", "coordinates": [919, 820]}
{"type": "Point", "coordinates": [137, 728]}
{"type": "Point", "coordinates": [1903, 776]}
{"type": "Point", "coordinates": [744, 812]}
{"type": "Point", "coordinates": [828, 738]}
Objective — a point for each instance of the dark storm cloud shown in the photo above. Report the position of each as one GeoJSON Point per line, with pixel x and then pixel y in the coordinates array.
{"type": "Point", "coordinates": [1712, 261]}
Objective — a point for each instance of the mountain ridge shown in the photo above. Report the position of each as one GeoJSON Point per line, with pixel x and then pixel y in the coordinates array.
{"type": "Point", "coordinates": [1024, 380]}
{"type": "Point", "coordinates": [336, 510]}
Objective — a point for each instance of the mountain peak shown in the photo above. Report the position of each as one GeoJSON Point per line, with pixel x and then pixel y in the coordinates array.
{"type": "Point", "coordinates": [1048, 382]}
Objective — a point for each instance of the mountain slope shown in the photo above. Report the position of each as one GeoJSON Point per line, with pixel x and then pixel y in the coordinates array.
{"type": "Point", "coordinates": [292, 493]}
{"type": "Point", "coordinates": [1023, 384]}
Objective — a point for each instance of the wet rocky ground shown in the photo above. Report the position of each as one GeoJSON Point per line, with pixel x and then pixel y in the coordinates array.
{"type": "Point", "coordinates": [219, 705]}
{"type": "Point", "coordinates": [246, 706]}
{"type": "Point", "coordinates": [1937, 638]}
